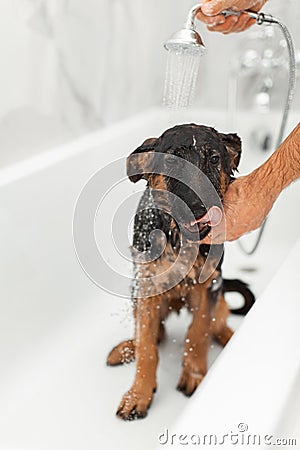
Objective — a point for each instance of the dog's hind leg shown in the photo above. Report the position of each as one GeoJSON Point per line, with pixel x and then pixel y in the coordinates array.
{"type": "Point", "coordinates": [224, 335]}
{"type": "Point", "coordinates": [196, 343]}
{"type": "Point", "coordinates": [122, 353]}
{"type": "Point", "coordinates": [137, 400]}
{"type": "Point", "coordinates": [220, 330]}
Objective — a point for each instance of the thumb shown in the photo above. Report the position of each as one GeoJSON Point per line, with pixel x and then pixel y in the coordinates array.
{"type": "Point", "coordinates": [213, 7]}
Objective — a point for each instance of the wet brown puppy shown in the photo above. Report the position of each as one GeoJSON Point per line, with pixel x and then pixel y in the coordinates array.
{"type": "Point", "coordinates": [217, 156]}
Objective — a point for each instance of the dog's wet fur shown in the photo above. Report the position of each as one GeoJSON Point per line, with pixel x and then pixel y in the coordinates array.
{"type": "Point", "coordinates": [217, 155]}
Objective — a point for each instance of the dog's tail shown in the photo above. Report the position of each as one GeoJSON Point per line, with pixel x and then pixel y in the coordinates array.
{"type": "Point", "coordinates": [242, 288]}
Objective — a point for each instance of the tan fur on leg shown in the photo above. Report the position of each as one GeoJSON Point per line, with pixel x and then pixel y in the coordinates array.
{"type": "Point", "coordinates": [121, 353]}
{"type": "Point", "coordinates": [137, 400]}
{"type": "Point", "coordinates": [220, 330]}
{"type": "Point", "coordinates": [196, 342]}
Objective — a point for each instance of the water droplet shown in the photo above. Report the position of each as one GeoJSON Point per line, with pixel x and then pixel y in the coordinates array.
{"type": "Point", "coordinates": [187, 340]}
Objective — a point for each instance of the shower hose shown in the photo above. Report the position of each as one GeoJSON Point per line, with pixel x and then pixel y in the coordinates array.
{"type": "Point", "coordinates": [287, 107]}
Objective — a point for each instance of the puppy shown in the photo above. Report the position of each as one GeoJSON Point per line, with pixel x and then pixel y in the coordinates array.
{"type": "Point", "coordinates": [158, 287]}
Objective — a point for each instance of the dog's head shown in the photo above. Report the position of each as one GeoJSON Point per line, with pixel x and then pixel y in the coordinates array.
{"type": "Point", "coordinates": [215, 154]}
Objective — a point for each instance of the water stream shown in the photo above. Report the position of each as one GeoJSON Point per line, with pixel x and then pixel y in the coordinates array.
{"type": "Point", "coordinates": [181, 77]}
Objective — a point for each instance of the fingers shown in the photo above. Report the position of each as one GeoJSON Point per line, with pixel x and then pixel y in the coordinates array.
{"type": "Point", "coordinates": [213, 7]}
{"type": "Point", "coordinates": [243, 23]}
{"type": "Point", "coordinates": [211, 21]}
{"type": "Point", "coordinates": [244, 211]}
{"type": "Point", "coordinates": [235, 24]}
{"type": "Point", "coordinates": [226, 25]}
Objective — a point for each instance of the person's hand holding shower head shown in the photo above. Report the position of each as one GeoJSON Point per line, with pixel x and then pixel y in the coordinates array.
{"type": "Point", "coordinates": [250, 198]}
{"type": "Point", "coordinates": [211, 14]}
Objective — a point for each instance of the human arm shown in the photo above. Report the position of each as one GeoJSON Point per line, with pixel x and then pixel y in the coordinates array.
{"type": "Point", "coordinates": [250, 198]}
{"type": "Point", "coordinates": [211, 15]}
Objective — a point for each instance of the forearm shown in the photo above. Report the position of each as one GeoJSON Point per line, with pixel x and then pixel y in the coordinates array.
{"type": "Point", "coordinates": [249, 199]}
{"type": "Point", "coordinates": [281, 169]}
{"type": "Point", "coordinates": [287, 158]}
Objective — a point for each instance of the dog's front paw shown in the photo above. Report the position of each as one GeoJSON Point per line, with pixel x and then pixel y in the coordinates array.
{"type": "Point", "coordinates": [189, 381]}
{"type": "Point", "coordinates": [134, 404]}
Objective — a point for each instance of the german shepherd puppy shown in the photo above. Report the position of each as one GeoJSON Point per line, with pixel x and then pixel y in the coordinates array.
{"type": "Point", "coordinates": [216, 155]}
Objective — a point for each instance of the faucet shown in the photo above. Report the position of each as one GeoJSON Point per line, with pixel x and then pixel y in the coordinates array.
{"type": "Point", "coordinates": [262, 59]}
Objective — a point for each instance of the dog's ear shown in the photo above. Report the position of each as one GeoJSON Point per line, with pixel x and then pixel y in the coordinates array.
{"type": "Point", "coordinates": [139, 162]}
{"type": "Point", "coordinates": [233, 145]}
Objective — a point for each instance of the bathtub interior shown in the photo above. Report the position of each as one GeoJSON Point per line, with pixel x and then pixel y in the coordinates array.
{"type": "Point", "coordinates": [57, 326]}
{"type": "Point", "coordinates": [262, 371]}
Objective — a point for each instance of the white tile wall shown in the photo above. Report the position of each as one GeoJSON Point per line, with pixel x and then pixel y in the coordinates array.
{"type": "Point", "coordinates": [69, 66]}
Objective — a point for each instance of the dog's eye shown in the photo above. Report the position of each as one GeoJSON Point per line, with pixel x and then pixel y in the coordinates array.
{"type": "Point", "coordinates": [214, 159]}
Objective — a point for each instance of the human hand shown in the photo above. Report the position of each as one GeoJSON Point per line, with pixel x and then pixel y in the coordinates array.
{"type": "Point", "coordinates": [249, 199]}
{"type": "Point", "coordinates": [211, 9]}
{"type": "Point", "coordinates": [245, 209]}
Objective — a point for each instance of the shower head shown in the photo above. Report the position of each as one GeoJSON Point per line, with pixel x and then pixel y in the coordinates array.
{"type": "Point", "coordinates": [184, 49]}
{"type": "Point", "coordinates": [187, 38]}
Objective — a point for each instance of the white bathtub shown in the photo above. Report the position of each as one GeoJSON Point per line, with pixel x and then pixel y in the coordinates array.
{"type": "Point", "coordinates": [57, 326]}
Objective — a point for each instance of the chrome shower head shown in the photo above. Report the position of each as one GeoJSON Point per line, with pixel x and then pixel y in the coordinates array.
{"type": "Point", "coordinates": [187, 38]}
{"type": "Point", "coordinates": [184, 49]}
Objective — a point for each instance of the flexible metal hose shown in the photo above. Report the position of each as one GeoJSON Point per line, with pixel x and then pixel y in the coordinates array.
{"type": "Point", "coordinates": [287, 106]}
